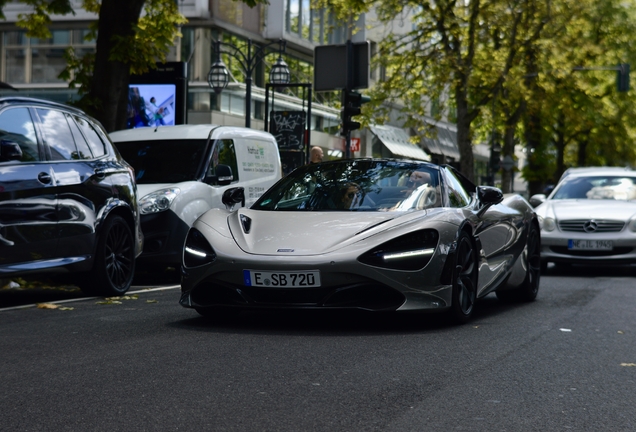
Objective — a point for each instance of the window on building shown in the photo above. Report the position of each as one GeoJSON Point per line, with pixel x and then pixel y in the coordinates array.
{"type": "Point", "coordinates": [31, 60]}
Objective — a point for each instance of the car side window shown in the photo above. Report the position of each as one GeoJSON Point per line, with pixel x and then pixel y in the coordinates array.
{"type": "Point", "coordinates": [455, 193]}
{"type": "Point", "coordinates": [83, 150]}
{"type": "Point", "coordinates": [16, 125]}
{"type": "Point", "coordinates": [92, 137]}
{"type": "Point", "coordinates": [57, 135]}
{"type": "Point", "coordinates": [225, 154]}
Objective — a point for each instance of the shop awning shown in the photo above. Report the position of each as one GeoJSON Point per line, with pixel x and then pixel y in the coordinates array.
{"type": "Point", "coordinates": [443, 141]}
{"type": "Point", "coordinates": [397, 141]}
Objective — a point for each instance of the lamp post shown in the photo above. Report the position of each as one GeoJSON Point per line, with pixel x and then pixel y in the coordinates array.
{"type": "Point", "coordinates": [219, 76]}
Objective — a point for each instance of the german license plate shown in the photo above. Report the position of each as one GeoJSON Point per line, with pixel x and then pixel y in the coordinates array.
{"type": "Point", "coordinates": [271, 279]}
{"type": "Point", "coordinates": [590, 245]}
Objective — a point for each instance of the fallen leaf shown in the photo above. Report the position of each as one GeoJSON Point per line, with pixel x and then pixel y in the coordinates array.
{"type": "Point", "coordinates": [66, 308]}
{"type": "Point", "coordinates": [565, 330]}
{"type": "Point", "coordinates": [629, 364]}
{"type": "Point", "coordinates": [620, 332]}
{"type": "Point", "coordinates": [47, 306]}
{"type": "Point", "coordinates": [152, 301]}
{"type": "Point", "coordinates": [108, 302]}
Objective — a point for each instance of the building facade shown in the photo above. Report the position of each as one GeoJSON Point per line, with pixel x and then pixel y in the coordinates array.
{"type": "Point", "coordinates": [32, 66]}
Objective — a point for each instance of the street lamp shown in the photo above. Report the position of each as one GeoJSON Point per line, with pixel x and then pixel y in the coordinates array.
{"type": "Point", "coordinates": [218, 77]}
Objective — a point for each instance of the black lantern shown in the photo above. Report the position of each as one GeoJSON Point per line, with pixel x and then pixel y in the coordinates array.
{"type": "Point", "coordinates": [218, 77]}
{"type": "Point", "coordinates": [279, 74]}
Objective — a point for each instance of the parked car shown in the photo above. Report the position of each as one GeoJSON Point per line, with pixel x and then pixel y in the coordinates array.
{"type": "Point", "coordinates": [68, 201]}
{"type": "Point", "coordinates": [589, 218]}
{"type": "Point", "coordinates": [182, 172]}
{"type": "Point", "coordinates": [369, 234]}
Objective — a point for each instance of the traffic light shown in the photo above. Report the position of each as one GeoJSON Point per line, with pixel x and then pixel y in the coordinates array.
{"type": "Point", "coordinates": [622, 77]}
{"type": "Point", "coordinates": [352, 104]}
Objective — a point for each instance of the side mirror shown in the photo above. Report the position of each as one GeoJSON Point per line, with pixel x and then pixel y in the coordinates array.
{"type": "Point", "coordinates": [10, 150]}
{"type": "Point", "coordinates": [489, 195]}
{"type": "Point", "coordinates": [233, 196]}
{"type": "Point", "coordinates": [536, 200]}
{"type": "Point", "coordinates": [223, 175]}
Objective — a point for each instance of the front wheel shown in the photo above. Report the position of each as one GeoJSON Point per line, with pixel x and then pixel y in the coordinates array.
{"type": "Point", "coordinates": [114, 265]}
{"type": "Point", "coordinates": [464, 293]}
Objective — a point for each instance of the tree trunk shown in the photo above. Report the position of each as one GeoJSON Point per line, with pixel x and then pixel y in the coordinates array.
{"type": "Point", "coordinates": [560, 147]}
{"type": "Point", "coordinates": [108, 94]}
{"type": "Point", "coordinates": [466, 157]}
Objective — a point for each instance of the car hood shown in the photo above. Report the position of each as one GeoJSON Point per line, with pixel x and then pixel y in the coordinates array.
{"type": "Point", "coordinates": [309, 233]}
{"type": "Point", "coordinates": [590, 209]}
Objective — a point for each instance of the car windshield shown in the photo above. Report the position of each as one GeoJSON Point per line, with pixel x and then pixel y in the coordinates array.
{"type": "Point", "coordinates": [355, 185]}
{"type": "Point", "coordinates": [164, 161]}
{"type": "Point", "coordinates": [597, 188]}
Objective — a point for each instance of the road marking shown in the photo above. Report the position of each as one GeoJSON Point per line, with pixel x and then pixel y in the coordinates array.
{"type": "Point", "coordinates": [144, 290]}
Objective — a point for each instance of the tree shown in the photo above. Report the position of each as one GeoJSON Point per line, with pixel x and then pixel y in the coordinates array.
{"type": "Point", "coordinates": [126, 42]}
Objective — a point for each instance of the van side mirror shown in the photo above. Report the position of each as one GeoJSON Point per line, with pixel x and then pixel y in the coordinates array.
{"type": "Point", "coordinates": [10, 150]}
{"type": "Point", "coordinates": [233, 196]}
{"type": "Point", "coordinates": [222, 176]}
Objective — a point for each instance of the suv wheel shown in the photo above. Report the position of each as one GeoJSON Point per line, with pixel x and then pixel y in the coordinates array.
{"type": "Point", "coordinates": [114, 265]}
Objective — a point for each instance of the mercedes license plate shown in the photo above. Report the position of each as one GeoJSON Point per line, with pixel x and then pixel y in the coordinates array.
{"type": "Point", "coordinates": [290, 279]}
{"type": "Point", "coordinates": [590, 245]}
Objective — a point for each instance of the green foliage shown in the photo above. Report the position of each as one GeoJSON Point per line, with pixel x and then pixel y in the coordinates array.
{"type": "Point", "coordinates": [153, 37]}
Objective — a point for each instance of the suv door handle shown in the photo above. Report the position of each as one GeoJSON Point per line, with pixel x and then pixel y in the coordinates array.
{"type": "Point", "coordinates": [45, 178]}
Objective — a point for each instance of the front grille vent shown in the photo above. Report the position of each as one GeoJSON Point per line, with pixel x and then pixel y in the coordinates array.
{"type": "Point", "coordinates": [591, 225]}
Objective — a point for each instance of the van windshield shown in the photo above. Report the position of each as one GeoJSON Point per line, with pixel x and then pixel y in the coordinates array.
{"type": "Point", "coordinates": [164, 161]}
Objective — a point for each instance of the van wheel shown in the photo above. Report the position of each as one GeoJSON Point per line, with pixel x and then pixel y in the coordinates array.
{"type": "Point", "coordinates": [114, 265]}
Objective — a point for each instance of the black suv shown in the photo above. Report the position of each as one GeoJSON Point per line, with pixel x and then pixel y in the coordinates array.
{"type": "Point", "coordinates": [68, 201]}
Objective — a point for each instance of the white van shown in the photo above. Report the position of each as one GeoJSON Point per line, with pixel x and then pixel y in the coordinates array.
{"type": "Point", "coordinates": [182, 171]}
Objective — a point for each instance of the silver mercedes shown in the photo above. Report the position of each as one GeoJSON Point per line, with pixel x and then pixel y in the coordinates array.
{"type": "Point", "coordinates": [589, 218]}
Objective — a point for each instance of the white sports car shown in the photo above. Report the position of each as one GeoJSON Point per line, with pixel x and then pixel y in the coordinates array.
{"type": "Point", "coordinates": [370, 234]}
{"type": "Point", "coordinates": [589, 218]}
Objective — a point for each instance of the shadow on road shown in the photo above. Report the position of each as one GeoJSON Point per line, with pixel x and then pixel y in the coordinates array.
{"type": "Point", "coordinates": [345, 322]}
{"type": "Point", "coordinates": [590, 270]}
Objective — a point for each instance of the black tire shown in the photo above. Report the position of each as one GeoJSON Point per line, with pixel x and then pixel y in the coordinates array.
{"type": "Point", "coordinates": [529, 289]}
{"type": "Point", "coordinates": [114, 265]}
{"type": "Point", "coordinates": [464, 293]}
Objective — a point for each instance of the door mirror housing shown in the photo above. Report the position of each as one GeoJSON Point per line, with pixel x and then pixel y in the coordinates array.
{"type": "Point", "coordinates": [233, 196]}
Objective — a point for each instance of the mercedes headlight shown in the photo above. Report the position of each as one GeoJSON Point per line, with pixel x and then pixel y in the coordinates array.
{"type": "Point", "coordinates": [158, 201]}
{"type": "Point", "coordinates": [547, 223]}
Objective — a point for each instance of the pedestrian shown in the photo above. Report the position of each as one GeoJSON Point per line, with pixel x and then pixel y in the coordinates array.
{"type": "Point", "coordinates": [315, 155]}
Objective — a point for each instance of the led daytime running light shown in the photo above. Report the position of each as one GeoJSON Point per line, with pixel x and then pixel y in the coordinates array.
{"type": "Point", "coordinates": [406, 255]}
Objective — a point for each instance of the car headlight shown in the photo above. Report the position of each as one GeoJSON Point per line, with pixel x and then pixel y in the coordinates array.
{"type": "Point", "coordinates": [408, 252]}
{"type": "Point", "coordinates": [158, 201]}
{"type": "Point", "coordinates": [547, 224]}
{"type": "Point", "coordinates": [197, 251]}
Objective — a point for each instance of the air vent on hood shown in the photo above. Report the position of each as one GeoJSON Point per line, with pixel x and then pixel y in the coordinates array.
{"type": "Point", "coordinates": [246, 223]}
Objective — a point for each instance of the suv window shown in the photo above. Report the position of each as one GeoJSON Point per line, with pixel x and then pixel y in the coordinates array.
{"type": "Point", "coordinates": [83, 150]}
{"type": "Point", "coordinates": [16, 125]}
{"type": "Point", "coordinates": [92, 137]}
{"type": "Point", "coordinates": [225, 154]}
{"type": "Point", "coordinates": [57, 135]}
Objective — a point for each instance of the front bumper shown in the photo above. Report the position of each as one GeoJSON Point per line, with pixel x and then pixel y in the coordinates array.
{"type": "Point", "coordinates": [164, 235]}
{"type": "Point", "coordinates": [554, 248]}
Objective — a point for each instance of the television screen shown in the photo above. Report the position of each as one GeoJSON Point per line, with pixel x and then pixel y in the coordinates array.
{"type": "Point", "coordinates": [151, 105]}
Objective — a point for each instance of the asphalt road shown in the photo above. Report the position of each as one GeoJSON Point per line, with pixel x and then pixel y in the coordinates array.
{"type": "Point", "coordinates": [566, 362]}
